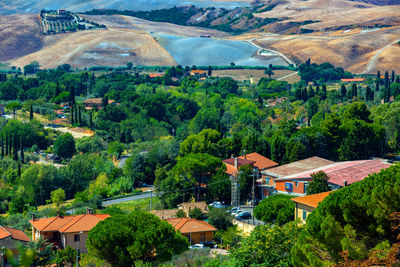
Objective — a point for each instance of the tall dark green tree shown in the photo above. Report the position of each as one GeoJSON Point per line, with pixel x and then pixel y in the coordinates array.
{"type": "Point", "coordinates": [22, 151]}
{"type": "Point", "coordinates": [104, 101]}
{"type": "Point", "coordinates": [15, 148]}
{"type": "Point", "coordinates": [31, 113]}
{"type": "Point", "coordinates": [354, 90]}
{"type": "Point", "coordinates": [72, 114]}
{"type": "Point", "coordinates": [369, 94]}
{"type": "Point", "coordinates": [387, 79]}
{"type": "Point", "coordinates": [393, 76]}
{"type": "Point", "coordinates": [323, 94]}
{"type": "Point", "coordinates": [209, 72]}
{"type": "Point", "coordinates": [79, 116]}
{"type": "Point", "coordinates": [343, 91]}
{"type": "Point", "coordinates": [377, 87]}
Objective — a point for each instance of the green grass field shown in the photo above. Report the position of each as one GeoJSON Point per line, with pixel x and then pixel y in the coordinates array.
{"type": "Point", "coordinates": [139, 204]}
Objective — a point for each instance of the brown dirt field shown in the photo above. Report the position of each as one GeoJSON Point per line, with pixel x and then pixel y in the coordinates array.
{"type": "Point", "coordinates": [111, 47]}
{"type": "Point", "coordinates": [132, 23]}
{"type": "Point", "coordinates": [256, 75]}
{"type": "Point", "coordinates": [19, 36]}
{"type": "Point", "coordinates": [351, 52]}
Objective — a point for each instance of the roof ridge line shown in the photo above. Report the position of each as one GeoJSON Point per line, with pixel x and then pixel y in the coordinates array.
{"type": "Point", "coordinates": [6, 230]}
{"type": "Point", "coordinates": [54, 218]}
{"type": "Point", "coordinates": [73, 222]}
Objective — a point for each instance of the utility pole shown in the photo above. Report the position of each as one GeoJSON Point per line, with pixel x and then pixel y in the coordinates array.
{"type": "Point", "coordinates": [255, 172]}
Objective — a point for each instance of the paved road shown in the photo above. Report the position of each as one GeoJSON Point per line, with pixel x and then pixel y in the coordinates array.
{"type": "Point", "coordinates": [250, 221]}
{"type": "Point", "coordinates": [125, 199]}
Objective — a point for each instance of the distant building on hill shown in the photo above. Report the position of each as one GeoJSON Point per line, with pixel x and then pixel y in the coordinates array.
{"type": "Point", "coordinates": [353, 80]}
{"type": "Point", "coordinates": [198, 73]}
{"type": "Point", "coordinates": [95, 103]}
{"type": "Point", "coordinates": [61, 12]}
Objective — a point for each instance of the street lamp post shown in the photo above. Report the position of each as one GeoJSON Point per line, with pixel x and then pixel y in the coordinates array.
{"type": "Point", "coordinates": [77, 248]}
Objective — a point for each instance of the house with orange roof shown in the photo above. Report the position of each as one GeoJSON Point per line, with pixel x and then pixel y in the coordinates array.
{"type": "Point", "coordinates": [196, 231]}
{"type": "Point", "coordinates": [65, 231]}
{"type": "Point", "coordinates": [305, 205]}
{"type": "Point", "coordinates": [198, 73]}
{"type": "Point", "coordinates": [353, 80]}
{"type": "Point", "coordinates": [10, 238]}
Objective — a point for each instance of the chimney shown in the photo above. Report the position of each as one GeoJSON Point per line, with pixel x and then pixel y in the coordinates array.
{"type": "Point", "coordinates": [58, 213]}
{"type": "Point", "coordinates": [236, 163]}
{"type": "Point", "coordinates": [33, 216]}
{"type": "Point", "coordinates": [87, 210]}
{"type": "Point", "coordinates": [345, 183]}
{"type": "Point", "coordinates": [245, 156]}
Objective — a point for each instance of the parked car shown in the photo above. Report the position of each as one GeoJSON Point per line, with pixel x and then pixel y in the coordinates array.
{"type": "Point", "coordinates": [243, 215]}
{"type": "Point", "coordinates": [217, 205]}
{"type": "Point", "coordinates": [197, 246]}
{"type": "Point", "coordinates": [235, 211]}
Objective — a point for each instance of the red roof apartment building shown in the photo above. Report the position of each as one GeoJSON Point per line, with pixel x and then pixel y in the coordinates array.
{"type": "Point", "coordinates": [294, 178]}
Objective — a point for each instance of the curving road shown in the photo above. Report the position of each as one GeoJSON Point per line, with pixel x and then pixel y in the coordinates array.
{"type": "Point", "coordinates": [125, 199]}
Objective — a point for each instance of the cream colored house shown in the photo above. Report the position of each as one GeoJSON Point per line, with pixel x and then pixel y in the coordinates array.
{"type": "Point", "coordinates": [65, 231]}
{"type": "Point", "coordinates": [305, 205]}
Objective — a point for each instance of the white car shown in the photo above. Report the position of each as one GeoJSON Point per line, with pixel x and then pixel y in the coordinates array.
{"type": "Point", "coordinates": [197, 246]}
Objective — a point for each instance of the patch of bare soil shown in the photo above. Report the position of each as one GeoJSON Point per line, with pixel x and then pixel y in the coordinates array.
{"type": "Point", "coordinates": [19, 36]}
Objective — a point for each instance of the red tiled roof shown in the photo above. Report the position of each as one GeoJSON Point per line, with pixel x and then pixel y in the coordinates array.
{"type": "Point", "coordinates": [198, 71]}
{"type": "Point", "coordinates": [153, 75]}
{"type": "Point", "coordinates": [188, 225]}
{"type": "Point", "coordinates": [14, 233]}
{"type": "Point", "coordinates": [240, 162]}
{"type": "Point", "coordinates": [68, 224]}
{"type": "Point", "coordinates": [231, 170]}
{"type": "Point", "coordinates": [353, 80]}
{"type": "Point", "coordinates": [349, 171]}
{"type": "Point", "coordinates": [297, 167]}
{"type": "Point", "coordinates": [311, 200]}
{"type": "Point", "coordinates": [260, 161]}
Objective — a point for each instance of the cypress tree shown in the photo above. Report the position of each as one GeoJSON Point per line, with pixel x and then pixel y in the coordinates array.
{"type": "Point", "coordinates": [6, 146]}
{"type": "Point", "coordinates": [9, 145]}
{"type": "Point", "coordinates": [104, 101]}
{"type": "Point", "coordinates": [72, 115]}
{"type": "Point", "coordinates": [377, 87]}
{"type": "Point", "coordinates": [397, 79]}
{"type": "Point", "coordinates": [22, 151]}
{"type": "Point", "coordinates": [19, 169]}
{"type": "Point", "coordinates": [79, 116]}
{"type": "Point", "coordinates": [15, 148]}
{"type": "Point", "coordinates": [323, 92]}
{"type": "Point", "coordinates": [260, 101]}
{"type": "Point", "coordinates": [317, 89]}
{"type": "Point", "coordinates": [311, 92]}
{"type": "Point", "coordinates": [76, 114]}
{"type": "Point", "coordinates": [378, 75]}
{"type": "Point", "coordinates": [354, 90]}
{"type": "Point", "coordinates": [31, 113]}
{"type": "Point", "coordinates": [369, 94]}
{"type": "Point", "coordinates": [387, 80]}
{"type": "Point", "coordinates": [90, 120]}
{"type": "Point", "coordinates": [343, 90]}
{"type": "Point", "coordinates": [2, 147]}
{"type": "Point", "coordinates": [393, 76]}
{"type": "Point", "coordinates": [209, 73]}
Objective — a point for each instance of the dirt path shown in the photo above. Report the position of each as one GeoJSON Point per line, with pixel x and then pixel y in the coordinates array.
{"type": "Point", "coordinates": [372, 62]}
{"type": "Point", "coordinates": [272, 51]}
{"type": "Point", "coordinates": [284, 77]}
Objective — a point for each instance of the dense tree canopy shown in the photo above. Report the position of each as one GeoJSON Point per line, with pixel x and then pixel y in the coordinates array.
{"type": "Point", "coordinates": [123, 239]}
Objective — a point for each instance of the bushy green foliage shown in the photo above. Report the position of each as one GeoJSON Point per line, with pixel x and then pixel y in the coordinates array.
{"type": "Point", "coordinates": [219, 218]}
{"type": "Point", "coordinates": [318, 184]}
{"type": "Point", "coordinates": [65, 145]}
{"type": "Point", "coordinates": [124, 239]}
{"type": "Point", "coordinates": [324, 72]}
{"type": "Point", "coordinates": [354, 219]}
{"type": "Point", "coordinates": [277, 209]}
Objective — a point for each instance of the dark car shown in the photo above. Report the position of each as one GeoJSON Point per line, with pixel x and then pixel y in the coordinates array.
{"type": "Point", "coordinates": [243, 215]}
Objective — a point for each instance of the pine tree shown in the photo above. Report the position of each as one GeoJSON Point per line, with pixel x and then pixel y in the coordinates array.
{"type": "Point", "coordinates": [31, 113]}
{"type": "Point", "coordinates": [343, 90]}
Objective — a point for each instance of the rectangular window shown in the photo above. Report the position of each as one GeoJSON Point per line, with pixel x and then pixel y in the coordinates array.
{"type": "Point", "coordinates": [267, 180]}
{"type": "Point", "coordinates": [304, 215]}
{"type": "Point", "coordinates": [296, 183]}
{"type": "Point", "coordinates": [305, 187]}
{"type": "Point", "coordinates": [77, 238]}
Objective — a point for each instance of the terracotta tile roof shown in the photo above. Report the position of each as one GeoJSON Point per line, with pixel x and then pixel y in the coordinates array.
{"type": "Point", "coordinates": [68, 224]}
{"type": "Point", "coordinates": [311, 200]}
{"type": "Point", "coordinates": [188, 225]}
{"type": "Point", "coordinates": [153, 75]}
{"type": "Point", "coordinates": [16, 234]}
{"type": "Point", "coordinates": [231, 170]}
{"type": "Point", "coordinates": [349, 171]}
{"type": "Point", "coordinates": [165, 214]}
{"type": "Point", "coordinates": [353, 80]}
{"type": "Point", "coordinates": [297, 167]}
{"type": "Point", "coordinates": [260, 161]}
{"type": "Point", "coordinates": [198, 71]}
{"type": "Point", "coordinates": [241, 161]}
